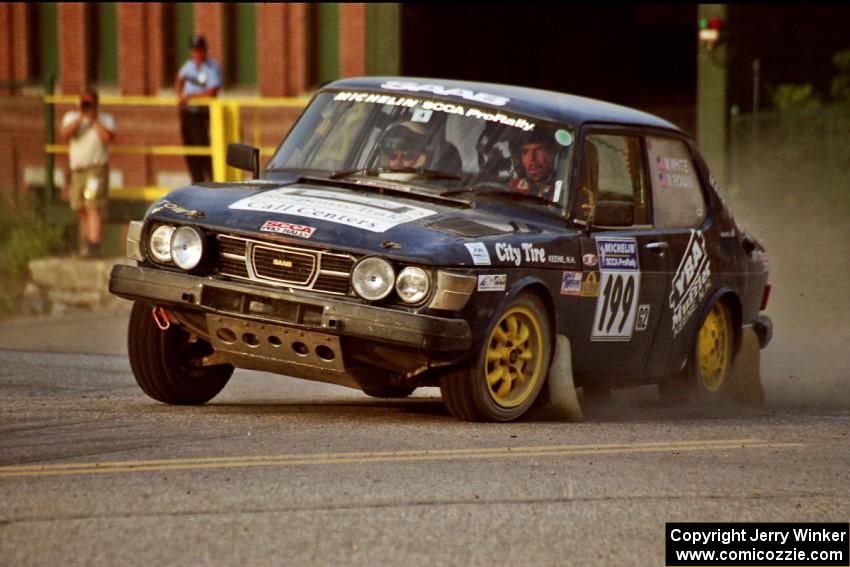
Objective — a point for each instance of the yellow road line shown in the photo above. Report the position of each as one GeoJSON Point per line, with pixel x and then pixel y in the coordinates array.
{"type": "Point", "coordinates": [203, 463]}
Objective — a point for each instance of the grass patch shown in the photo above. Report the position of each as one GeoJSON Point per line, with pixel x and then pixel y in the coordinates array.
{"type": "Point", "coordinates": [24, 236]}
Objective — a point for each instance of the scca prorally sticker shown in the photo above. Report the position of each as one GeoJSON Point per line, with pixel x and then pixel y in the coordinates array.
{"type": "Point", "coordinates": [374, 215]}
{"type": "Point", "coordinates": [492, 282]}
{"type": "Point", "coordinates": [691, 282]}
{"type": "Point", "coordinates": [619, 289]}
{"type": "Point", "coordinates": [571, 283]}
{"type": "Point", "coordinates": [299, 230]}
{"type": "Point", "coordinates": [525, 252]}
{"type": "Point", "coordinates": [480, 256]}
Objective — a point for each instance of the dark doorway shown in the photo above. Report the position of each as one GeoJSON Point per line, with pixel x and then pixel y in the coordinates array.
{"type": "Point", "coordinates": [642, 56]}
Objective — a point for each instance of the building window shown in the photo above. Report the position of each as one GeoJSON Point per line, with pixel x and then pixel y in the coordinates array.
{"type": "Point", "coordinates": [241, 41]}
{"type": "Point", "coordinates": [43, 50]}
{"type": "Point", "coordinates": [178, 23]}
{"type": "Point", "coordinates": [102, 39]}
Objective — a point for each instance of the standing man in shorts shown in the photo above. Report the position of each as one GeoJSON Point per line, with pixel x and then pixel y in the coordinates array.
{"type": "Point", "coordinates": [89, 134]}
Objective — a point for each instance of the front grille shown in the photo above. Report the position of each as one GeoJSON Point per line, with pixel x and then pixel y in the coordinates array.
{"type": "Point", "coordinates": [289, 266]}
{"type": "Point", "coordinates": [286, 266]}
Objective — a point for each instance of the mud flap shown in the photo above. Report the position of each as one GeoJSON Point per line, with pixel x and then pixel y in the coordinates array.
{"type": "Point", "coordinates": [746, 373]}
{"type": "Point", "coordinates": [559, 400]}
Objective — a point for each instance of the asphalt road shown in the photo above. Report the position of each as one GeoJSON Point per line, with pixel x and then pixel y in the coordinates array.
{"type": "Point", "coordinates": [277, 471]}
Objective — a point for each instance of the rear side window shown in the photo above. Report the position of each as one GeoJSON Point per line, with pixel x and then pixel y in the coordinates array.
{"type": "Point", "coordinates": [677, 194]}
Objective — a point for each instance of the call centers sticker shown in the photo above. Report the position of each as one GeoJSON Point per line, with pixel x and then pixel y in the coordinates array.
{"type": "Point", "coordinates": [619, 286]}
{"type": "Point", "coordinates": [691, 282]}
{"type": "Point", "coordinates": [492, 282]}
{"type": "Point", "coordinates": [374, 215]}
{"type": "Point", "coordinates": [480, 256]}
{"type": "Point", "coordinates": [299, 230]}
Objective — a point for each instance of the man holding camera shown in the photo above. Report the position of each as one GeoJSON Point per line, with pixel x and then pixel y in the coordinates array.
{"type": "Point", "coordinates": [88, 133]}
{"type": "Point", "coordinates": [198, 77]}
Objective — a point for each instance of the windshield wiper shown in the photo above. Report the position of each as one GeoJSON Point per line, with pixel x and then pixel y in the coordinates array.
{"type": "Point", "coordinates": [502, 193]}
{"type": "Point", "coordinates": [366, 172]}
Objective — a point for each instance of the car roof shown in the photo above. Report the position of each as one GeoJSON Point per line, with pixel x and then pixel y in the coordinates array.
{"type": "Point", "coordinates": [547, 105]}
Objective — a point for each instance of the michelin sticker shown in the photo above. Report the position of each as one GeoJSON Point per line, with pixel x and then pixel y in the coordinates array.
{"type": "Point", "coordinates": [480, 256]}
{"type": "Point", "coordinates": [619, 285]}
{"type": "Point", "coordinates": [492, 282]}
{"type": "Point", "coordinates": [691, 282]}
{"type": "Point", "coordinates": [374, 215]}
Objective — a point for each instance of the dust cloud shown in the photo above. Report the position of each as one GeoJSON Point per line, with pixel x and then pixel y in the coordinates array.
{"type": "Point", "coordinates": [806, 231]}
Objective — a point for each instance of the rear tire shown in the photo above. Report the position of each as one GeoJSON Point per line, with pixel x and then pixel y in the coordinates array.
{"type": "Point", "coordinates": [506, 375]}
{"type": "Point", "coordinates": [166, 363]}
{"type": "Point", "coordinates": [710, 363]}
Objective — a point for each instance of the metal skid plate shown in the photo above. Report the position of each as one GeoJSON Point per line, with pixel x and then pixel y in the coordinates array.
{"type": "Point", "coordinates": [276, 348]}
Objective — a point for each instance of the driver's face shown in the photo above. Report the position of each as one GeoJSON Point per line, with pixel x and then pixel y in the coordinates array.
{"type": "Point", "coordinates": [537, 161]}
{"type": "Point", "coordinates": [402, 158]}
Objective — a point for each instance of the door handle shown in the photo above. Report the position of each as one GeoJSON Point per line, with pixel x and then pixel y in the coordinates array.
{"type": "Point", "coordinates": [657, 247]}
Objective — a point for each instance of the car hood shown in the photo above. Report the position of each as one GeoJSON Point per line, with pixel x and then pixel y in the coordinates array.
{"type": "Point", "coordinates": [428, 230]}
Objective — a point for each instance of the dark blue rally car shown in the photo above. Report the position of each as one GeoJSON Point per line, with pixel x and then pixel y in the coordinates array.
{"type": "Point", "coordinates": [422, 232]}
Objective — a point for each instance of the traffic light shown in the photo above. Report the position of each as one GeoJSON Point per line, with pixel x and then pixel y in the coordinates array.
{"type": "Point", "coordinates": [709, 31]}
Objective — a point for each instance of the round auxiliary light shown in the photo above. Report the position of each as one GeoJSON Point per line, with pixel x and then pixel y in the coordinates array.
{"type": "Point", "coordinates": [187, 247]}
{"type": "Point", "coordinates": [373, 278]}
{"type": "Point", "coordinates": [160, 243]}
{"type": "Point", "coordinates": [413, 284]}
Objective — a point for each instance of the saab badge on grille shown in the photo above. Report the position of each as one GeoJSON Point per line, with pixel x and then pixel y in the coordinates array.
{"type": "Point", "coordinates": [282, 262]}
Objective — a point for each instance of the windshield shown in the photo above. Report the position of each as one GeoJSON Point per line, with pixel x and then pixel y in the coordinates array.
{"type": "Point", "coordinates": [445, 147]}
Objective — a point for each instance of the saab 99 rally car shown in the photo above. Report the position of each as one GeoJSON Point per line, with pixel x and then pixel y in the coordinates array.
{"type": "Point", "coordinates": [420, 232]}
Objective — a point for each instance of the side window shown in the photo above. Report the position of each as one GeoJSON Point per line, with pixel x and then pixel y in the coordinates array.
{"type": "Point", "coordinates": [612, 170]}
{"type": "Point", "coordinates": [676, 190]}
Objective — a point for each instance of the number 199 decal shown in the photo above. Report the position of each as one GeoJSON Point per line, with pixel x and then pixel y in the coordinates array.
{"type": "Point", "coordinates": [619, 289]}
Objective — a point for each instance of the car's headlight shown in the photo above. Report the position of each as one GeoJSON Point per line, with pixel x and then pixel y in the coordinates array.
{"type": "Point", "coordinates": [187, 247]}
{"type": "Point", "coordinates": [160, 243]}
{"type": "Point", "coordinates": [373, 278]}
{"type": "Point", "coordinates": [413, 284]}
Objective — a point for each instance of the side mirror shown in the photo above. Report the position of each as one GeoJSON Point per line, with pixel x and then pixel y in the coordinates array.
{"type": "Point", "coordinates": [246, 158]}
{"type": "Point", "coordinates": [613, 213]}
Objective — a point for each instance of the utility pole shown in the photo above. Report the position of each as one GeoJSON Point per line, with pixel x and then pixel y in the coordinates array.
{"type": "Point", "coordinates": [712, 114]}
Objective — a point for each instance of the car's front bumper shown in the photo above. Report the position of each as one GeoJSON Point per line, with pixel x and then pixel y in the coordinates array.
{"type": "Point", "coordinates": [301, 310]}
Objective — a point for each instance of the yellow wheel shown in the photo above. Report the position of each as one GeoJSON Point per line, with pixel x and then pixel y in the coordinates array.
{"type": "Point", "coordinates": [506, 377]}
{"type": "Point", "coordinates": [712, 357]}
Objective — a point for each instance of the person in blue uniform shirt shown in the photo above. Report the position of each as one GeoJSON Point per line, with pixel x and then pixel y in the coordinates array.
{"type": "Point", "coordinates": [199, 76]}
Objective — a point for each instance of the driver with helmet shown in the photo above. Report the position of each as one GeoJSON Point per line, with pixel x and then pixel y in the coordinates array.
{"type": "Point", "coordinates": [533, 157]}
{"type": "Point", "coordinates": [404, 145]}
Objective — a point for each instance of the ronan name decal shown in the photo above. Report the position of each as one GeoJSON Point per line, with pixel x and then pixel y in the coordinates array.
{"type": "Point", "coordinates": [374, 215]}
{"type": "Point", "coordinates": [691, 282]}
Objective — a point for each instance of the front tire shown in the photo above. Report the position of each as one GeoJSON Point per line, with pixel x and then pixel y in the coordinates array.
{"type": "Point", "coordinates": [507, 374]}
{"type": "Point", "coordinates": [166, 363]}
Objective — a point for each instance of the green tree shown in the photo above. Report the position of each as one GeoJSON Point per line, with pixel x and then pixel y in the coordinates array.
{"type": "Point", "coordinates": [840, 88]}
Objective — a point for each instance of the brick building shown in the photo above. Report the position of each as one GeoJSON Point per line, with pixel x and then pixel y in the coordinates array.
{"type": "Point", "coordinates": [133, 49]}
